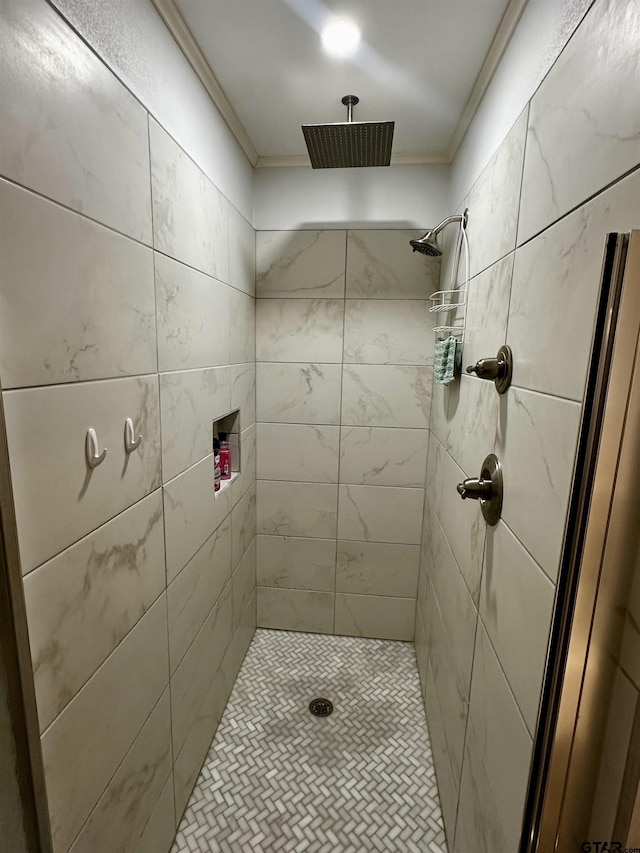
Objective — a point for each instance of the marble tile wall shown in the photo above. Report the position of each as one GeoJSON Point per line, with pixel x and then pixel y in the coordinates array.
{"type": "Point", "coordinates": [565, 175]}
{"type": "Point", "coordinates": [127, 288]}
{"type": "Point", "coordinates": [344, 353]}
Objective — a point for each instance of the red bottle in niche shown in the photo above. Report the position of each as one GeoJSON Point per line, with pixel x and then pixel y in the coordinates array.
{"type": "Point", "coordinates": [225, 457]}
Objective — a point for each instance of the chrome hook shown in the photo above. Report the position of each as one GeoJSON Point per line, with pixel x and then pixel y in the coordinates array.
{"type": "Point", "coordinates": [130, 443]}
{"type": "Point", "coordinates": [94, 458]}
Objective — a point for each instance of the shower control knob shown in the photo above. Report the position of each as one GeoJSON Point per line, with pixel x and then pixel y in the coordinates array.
{"type": "Point", "coordinates": [498, 369]}
{"type": "Point", "coordinates": [487, 488]}
{"type": "Point", "coordinates": [475, 489]}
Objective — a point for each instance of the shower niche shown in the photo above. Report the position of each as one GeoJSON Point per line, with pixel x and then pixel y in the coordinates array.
{"type": "Point", "coordinates": [227, 428]}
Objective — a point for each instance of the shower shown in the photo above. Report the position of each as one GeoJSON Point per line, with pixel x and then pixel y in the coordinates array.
{"type": "Point", "coordinates": [428, 243]}
{"type": "Point", "coordinates": [348, 144]}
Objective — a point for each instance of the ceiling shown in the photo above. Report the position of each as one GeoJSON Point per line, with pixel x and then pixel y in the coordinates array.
{"type": "Point", "coordinates": [417, 64]}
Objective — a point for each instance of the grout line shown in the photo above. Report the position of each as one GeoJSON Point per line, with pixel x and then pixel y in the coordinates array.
{"type": "Point", "coordinates": [124, 758]}
{"type": "Point", "coordinates": [135, 97]}
{"type": "Point", "coordinates": [341, 592]}
{"type": "Point", "coordinates": [344, 325]}
{"type": "Point", "coordinates": [150, 246]}
{"type": "Point", "coordinates": [72, 210]}
{"type": "Point", "coordinates": [121, 378]}
{"type": "Point", "coordinates": [513, 264]}
{"type": "Point", "coordinates": [92, 531]}
{"type": "Point", "coordinates": [81, 382]}
{"type": "Point", "coordinates": [102, 664]}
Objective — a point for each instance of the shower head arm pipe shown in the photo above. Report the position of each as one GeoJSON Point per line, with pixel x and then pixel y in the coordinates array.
{"type": "Point", "coordinates": [350, 101]}
{"type": "Point", "coordinates": [462, 219]}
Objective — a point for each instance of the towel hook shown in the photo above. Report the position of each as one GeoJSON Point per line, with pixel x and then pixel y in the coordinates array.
{"type": "Point", "coordinates": [130, 443]}
{"type": "Point", "coordinates": [94, 457]}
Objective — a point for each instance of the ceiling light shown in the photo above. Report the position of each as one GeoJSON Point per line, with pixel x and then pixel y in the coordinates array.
{"type": "Point", "coordinates": [340, 37]}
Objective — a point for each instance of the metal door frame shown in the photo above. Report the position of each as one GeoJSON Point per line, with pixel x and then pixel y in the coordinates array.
{"type": "Point", "coordinates": [613, 357]}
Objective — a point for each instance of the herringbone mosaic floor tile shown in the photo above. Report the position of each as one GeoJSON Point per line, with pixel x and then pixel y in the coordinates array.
{"type": "Point", "coordinates": [279, 779]}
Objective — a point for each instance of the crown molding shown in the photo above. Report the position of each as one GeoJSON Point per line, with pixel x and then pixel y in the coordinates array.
{"type": "Point", "coordinates": [181, 33]}
{"type": "Point", "coordinates": [509, 22]}
{"type": "Point", "coordinates": [287, 161]}
{"type": "Point", "coordinates": [178, 28]}
{"type": "Point", "coordinates": [419, 158]}
{"type": "Point", "coordinates": [410, 158]}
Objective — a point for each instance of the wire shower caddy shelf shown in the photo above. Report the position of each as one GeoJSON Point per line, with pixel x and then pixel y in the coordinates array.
{"type": "Point", "coordinates": [454, 299]}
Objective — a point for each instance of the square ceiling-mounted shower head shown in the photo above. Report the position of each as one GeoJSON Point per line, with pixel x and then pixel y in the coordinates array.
{"type": "Point", "coordinates": [349, 144]}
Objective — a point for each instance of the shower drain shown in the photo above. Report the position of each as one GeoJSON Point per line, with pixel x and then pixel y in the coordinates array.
{"type": "Point", "coordinates": [321, 707]}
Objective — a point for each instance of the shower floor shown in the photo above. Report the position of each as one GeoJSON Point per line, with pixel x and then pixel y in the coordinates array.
{"type": "Point", "coordinates": [278, 778]}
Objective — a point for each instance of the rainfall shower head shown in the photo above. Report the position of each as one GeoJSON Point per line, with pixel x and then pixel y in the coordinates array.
{"type": "Point", "coordinates": [428, 243]}
{"type": "Point", "coordinates": [349, 143]}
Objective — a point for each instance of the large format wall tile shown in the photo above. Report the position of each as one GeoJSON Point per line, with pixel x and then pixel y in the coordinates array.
{"type": "Point", "coordinates": [463, 524]}
{"type": "Point", "coordinates": [292, 562]}
{"type": "Point", "coordinates": [84, 746]}
{"type": "Point", "coordinates": [189, 759]}
{"type": "Point", "coordinates": [76, 115]}
{"type": "Point", "coordinates": [247, 475]}
{"type": "Point", "coordinates": [464, 416]}
{"type": "Point", "coordinates": [380, 514]}
{"type": "Point", "coordinates": [298, 393]}
{"type": "Point", "coordinates": [243, 393]}
{"type": "Point", "coordinates": [194, 592]}
{"type": "Point", "coordinates": [584, 124]}
{"type": "Point", "coordinates": [194, 317]}
{"type": "Point", "coordinates": [298, 452]}
{"type": "Point", "coordinates": [382, 265]}
{"type": "Point", "coordinates": [245, 629]}
{"type": "Point", "coordinates": [58, 498]}
{"type": "Point", "coordinates": [487, 311]}
{"type": "Point", "coordinates": [108, 581]}
{"type": "Point", "coordinates": [123, 810]}
{"type": "Point", "coordinates": [190, 401]}
{"type": "Point", "coordinates": [243, 583]}
{"type": "Point", "coordinates": [536, 444]}
{"type": "Point", "coordinates": [372, 616]}
{"type": "Point", "coordinates": [77, 298]}
{"type": "Point", "coordinates": [556, 278]}
{"type": "Point", "coordinates": [377, 568]}
{"type": "Point", "coordinates": [386, 395]}
{"type": "Point", "coordinates": [516, 603]}
{"type": "Point", "coordinates": [496, 721]}
{"type": "Point", "coordinates": [190, 216]}
{"type": "Point", "coordinates": [454, 603]}
{"type": "Point", "coordinates": [448, 783]}
{"type": "Point", "coordinates": [383, 457]}
{"type": "Point", "coordinates": [378, 331]}
{"type": "Point", "coordinates": [299, 330]}
{"type": "Point", "coordinates": [161, 827]}
{"type": "Point", "coordinates": [295, 610]}
{"type": "Point", "coordinates": [242, 253]}
{"type": "Point", "coordinates": [192, 511]}
{"type": "Point", "coordinates": [242, 327]}
{"type": "Point", "coordinates": [193, 677]}
{"type": "Point", "coordinates": [297, 509]}
{"type": "Point", "coordinates": [478, 825]}
{"type": "Point", "coordinates": [300, 264]}
{"type": "Point", "coordinates": [494, 200]}
{"type": "Point", "coordinates": [243, 525]}
{"type": "Point", "coordinates": [451, 691]}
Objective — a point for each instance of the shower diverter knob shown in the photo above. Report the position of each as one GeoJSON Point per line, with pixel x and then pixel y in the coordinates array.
{"type": "Point", "coordinates": [498, 369]}
{"type": "Point", "coordinates": [487, 488]}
